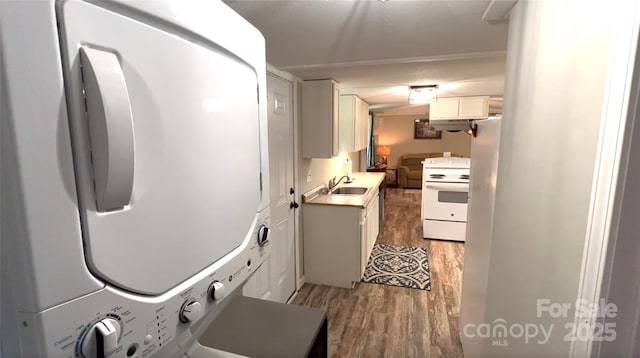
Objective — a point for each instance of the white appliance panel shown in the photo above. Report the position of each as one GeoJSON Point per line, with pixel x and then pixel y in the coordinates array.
{"type": "Point", "coordinates": [152, 324]}
{"type": "Point", "coordinates": [449, 175]}
{"type": "Point", "coordinates": [444, 230]}
{"type": "Point", "coordinates": [447, 162]}
{"type": "Point", "coordinates": [54, 302]}
{"type": "Point", "coordinates": [445, 201]}
{"type": "Point", "coordinates": [196, 135]}
{"type": "Point", "coordinates": [40, 219]}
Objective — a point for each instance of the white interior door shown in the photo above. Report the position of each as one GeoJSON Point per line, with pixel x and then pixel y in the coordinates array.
{"type": "Point", "coordinates": [275, 279]}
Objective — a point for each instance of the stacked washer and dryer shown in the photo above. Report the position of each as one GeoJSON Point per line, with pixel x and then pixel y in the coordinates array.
{"type": "Point", "coordinates": [120, 237]}
{"type": "Point", "coordinates": [445, 196]}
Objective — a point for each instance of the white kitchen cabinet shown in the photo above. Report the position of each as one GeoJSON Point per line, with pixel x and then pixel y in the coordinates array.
{"type": "Point", "coordinates": [460, 108]}
{"type": "Point", "coordinates": [338, 240]}
{"type": "Point", "coordinates": [444, 108]}
{"type": "Point", "coordinates": [363, 125]}
{"type": "Point", "coordinates": [320, 116]}
{"type": "Point", "coordinates": [370, 225]}
{"type": "Point", "coordinates": [373, 223]}
{"type": "Point", "coordinates": [364, 243]}
{"type": "Point", "coordinates": [354, 120]}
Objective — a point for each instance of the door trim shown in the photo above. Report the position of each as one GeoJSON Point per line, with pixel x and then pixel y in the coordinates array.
{"type": "Point", "coordinates": [613, 146]}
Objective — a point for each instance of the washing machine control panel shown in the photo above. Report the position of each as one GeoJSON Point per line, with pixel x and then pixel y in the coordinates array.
{"type": "Point", "coordinates": [190, 311]}
{"type": "Point", "coordinates": [112, 323]}
{"type": "Point", "coordinates": [100, 339]}
{"type": "Point", "coordinates": [217, 291]}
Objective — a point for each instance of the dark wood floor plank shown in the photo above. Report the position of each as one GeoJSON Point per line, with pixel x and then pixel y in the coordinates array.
{"type": "Point", "coordinates": [383, 321]}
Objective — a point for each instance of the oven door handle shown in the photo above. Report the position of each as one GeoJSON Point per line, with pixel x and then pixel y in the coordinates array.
{"type": "Point", "coordinates": [462, 187]}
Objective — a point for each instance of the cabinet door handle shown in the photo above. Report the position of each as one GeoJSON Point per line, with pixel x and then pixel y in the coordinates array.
{"type": "Point", "coordinates": [293, 205]}
{"type": "Point", "coordinates": [291, 191]}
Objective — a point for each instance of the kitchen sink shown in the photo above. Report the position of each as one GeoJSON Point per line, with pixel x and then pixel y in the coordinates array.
{"type": "Point", "coordinates": [350, 190]}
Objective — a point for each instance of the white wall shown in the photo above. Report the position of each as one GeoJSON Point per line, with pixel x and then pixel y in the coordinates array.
{"type": "Point", "coordinates": [322, 170]}
{"type": "Point", "coordinates": [624, 287]}
{"type": "Point", "coordinates": [622, 267]}
{"type": "Point", "coordinates": [477, 248]}
{"type": "Point", "coordinates": [398, 131]}
{"type": "Point", "coordinates": [557, 60]}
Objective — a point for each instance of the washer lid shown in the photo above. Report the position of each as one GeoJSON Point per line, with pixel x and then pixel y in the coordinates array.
{"type": "Point", "coordinates": [180, 188]}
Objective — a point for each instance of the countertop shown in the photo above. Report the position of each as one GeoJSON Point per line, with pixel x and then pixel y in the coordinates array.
{"type": "Point", "coordinates": [371, 180]}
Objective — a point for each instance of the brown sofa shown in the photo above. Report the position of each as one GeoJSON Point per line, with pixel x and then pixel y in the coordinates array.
{"type": "Point", "coordinates": [410, 169]}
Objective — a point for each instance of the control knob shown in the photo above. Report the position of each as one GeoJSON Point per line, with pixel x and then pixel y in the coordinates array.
{"type": "Point", "coordinates": [263, 234]}
{"type": "Point", "coordinates": [190, 311]}
{"type": "Point", "coordinates": [102, 339]}
{"type": "Point", "coordinates": [217, 290]}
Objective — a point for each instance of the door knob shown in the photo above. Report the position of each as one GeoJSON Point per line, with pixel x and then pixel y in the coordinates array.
{"type": "Point", "coordinates": [293, 205]}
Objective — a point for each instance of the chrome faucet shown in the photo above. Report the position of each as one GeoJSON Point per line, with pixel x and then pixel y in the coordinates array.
{"type": "Point", "coordinates": [332, 182]}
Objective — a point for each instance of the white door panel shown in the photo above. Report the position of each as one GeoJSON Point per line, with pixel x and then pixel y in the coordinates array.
{"type": "Point", "coordinates": [277, 274]}
{"type": "Point", "coordinates": [280, 121]}
{"type": "Point", "coordinates": [282, 255]}
{"type": "Point", "coordinates": [280, 144]}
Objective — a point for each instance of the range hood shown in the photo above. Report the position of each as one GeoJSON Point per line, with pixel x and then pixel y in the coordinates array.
{"type": "Point", "coordinates": [457, 113]}
{"type": "Point", "coordinates": [450, 124]}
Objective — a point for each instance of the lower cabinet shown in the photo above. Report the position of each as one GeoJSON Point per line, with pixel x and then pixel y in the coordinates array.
{"type": "Point", "coordinates": [338, 240]}
{"type": "Point", "coordinates": [374, 220]}
{"type": "Point", "coordinates": [370, 227]}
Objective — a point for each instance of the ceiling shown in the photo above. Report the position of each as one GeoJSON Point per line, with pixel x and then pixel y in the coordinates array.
{"type": "Point", "coordinates": [376, 49]}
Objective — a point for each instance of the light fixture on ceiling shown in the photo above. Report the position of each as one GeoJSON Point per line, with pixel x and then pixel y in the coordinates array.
{"type": "Point", "coordinates": [422, 94]}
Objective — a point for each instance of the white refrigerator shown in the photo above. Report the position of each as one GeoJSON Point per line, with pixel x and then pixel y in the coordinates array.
{"type": "Point", "coordinates": [134, 173]}
{"type": "Point", "coordinates": [477, 248]}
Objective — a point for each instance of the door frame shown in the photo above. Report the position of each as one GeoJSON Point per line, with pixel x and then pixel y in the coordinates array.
{"type": "Point", "coordinates": [295, 82]}
{"type": "Point", "coordinates": [620, 107]}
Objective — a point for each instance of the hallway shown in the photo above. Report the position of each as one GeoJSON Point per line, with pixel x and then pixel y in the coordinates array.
{"type": "Point", "coordinates": [383, 321]}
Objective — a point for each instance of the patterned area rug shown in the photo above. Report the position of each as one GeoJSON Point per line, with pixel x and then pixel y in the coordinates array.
{"type": "Point", "coordinates": [398, 266]}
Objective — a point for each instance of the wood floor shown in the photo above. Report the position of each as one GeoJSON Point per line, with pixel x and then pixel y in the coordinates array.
{"type": "Point", "coordinates": [383, 321]}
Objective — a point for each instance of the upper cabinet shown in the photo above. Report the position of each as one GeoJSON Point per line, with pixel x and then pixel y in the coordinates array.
{"type": "Point", "coordinates": [460, 108]}
{"type": "Point", "coordinates": [320, 115]}
{"type": "Point", "coordinates": [354, 123]}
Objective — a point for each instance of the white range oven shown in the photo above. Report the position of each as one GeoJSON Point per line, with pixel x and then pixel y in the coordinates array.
{"type": "Point", "coordinates": [445, 194]}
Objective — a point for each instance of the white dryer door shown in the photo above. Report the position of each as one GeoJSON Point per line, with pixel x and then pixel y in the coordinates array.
{"type": "Point", "coordinates": [166, 146]}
